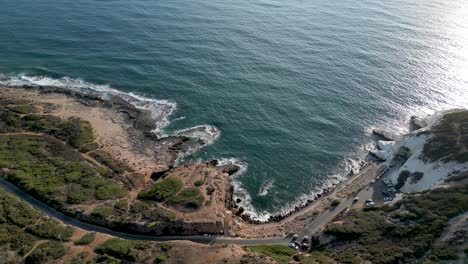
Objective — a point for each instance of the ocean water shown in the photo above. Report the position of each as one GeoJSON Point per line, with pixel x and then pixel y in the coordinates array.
{"type": "Point", "coordinates": [294, 87]}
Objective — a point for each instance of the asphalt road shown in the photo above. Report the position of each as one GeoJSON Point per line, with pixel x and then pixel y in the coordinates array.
{"type": "Point", "coordinates": [312, 228]}
{"type": "Point", "coordinates": [44, 208]}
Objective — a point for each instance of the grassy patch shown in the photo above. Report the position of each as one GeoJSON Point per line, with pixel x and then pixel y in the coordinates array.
{"type": "Point", "coordinates": [52, 171]}
{"type": "Point", "coordinates": [52, 229]}
{"type": "Point", "coordinates": [47, 252]}
{"type": "Point", "coordinates": [199, 183]}
{"type": "Point", "coordinates": [121, 205]}
{"type": "Point", "coordinates": [162, 190]}
{"type": "Point", "coordinates": [22, 109]}
{"type": "Point", "coordinates": [102, 212]}
{"type": "Point", "coordinates": [122, 249]}
{"type": "Point", "coordinates": [190, 197]}
{"type": "Point", "coordinates": [159, 215]}
{"type": "Point", "coordinates": [86, 239]}
{"type": "Point", "coordinates": [281, 254]}
{"type": "Point", "coordinates": [89, 147]}
{"type": "Point", "coordinates": [110, 191]}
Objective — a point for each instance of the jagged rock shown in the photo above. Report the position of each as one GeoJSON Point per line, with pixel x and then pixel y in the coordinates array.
{"type": "Point", "coordinates": [390, 136]}
{"type": "Point", "coordinates": [417, 123]}
{"type": "Point", "coordinates": [158, 174]}
{"type": "Point", "coordinates": [240, 211]}
{"type": "Point", "coordinates": [230, 169]}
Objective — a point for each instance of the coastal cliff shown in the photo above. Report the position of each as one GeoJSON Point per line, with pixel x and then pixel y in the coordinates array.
{"type": "Point", "coordinates": [432, 154]}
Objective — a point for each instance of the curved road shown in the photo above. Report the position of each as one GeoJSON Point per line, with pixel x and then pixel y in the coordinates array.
{"type": "Point", "coordinates": [313, 227]}
{"type": "Point", "coordinates": [44, 208]}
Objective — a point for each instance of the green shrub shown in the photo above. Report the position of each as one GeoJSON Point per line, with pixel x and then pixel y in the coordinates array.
{"type": "Point", "coordinates": [159, 214]}
{"type": "Point", "coordinates": [80, 257]}
{"type": "Point", "coordinates": [166, 246]}
{"type": "Point", "coordinates": [47, 252]}
{"type": "Point", "coordinates": [86, 239]}
{"type": "Point", "coordinates": [121, 205]}
{"type": "Point", "coordinates": [79, 196]}
{"type": "Point", "coordinates": [190, 197]}
{"type": "Point", "coordinates": [109, 191]}
{"type": "Point", "coordinates": [444, 252]}
{"type": "Point", "coordinates": [105, 259]}
{"type": "Point", "coordinates": [199, 183]}
{"type": "Point", "coordinates": [138, 207]}
{"type": "Point", "coordinates": [122, 249]}
{"type": "Point", "coordinates": [279, 253]}
{"type": "Point", "coordinates": [11, 119]}
{"type": "Point", "coordinates": [161, 259]}
{"type": "Point", "coordinates": [89, 147]}
{"type": "Point", "coordinates": [162, 190]}
{"type": "Point", "coordinates": [75, 131]}
{"type": "Point", "coordinates": [22, 109]}
{"type": "Point", "coordinates": [343, 232]}
{"type": "Point", "coordinates": [52, 229]}
{"type": "Point", "coordinates": [102, 212]}
{"type": "Point", "coordinates": [335, 203]}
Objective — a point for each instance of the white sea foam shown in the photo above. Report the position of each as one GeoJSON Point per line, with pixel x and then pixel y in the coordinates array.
{"type": "Point", "coordinates": [266, 186]}
{"type": "Point", "coordinates": [160, 109]}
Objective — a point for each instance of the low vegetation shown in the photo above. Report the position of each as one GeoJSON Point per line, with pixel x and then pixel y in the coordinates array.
{"type": "Point", "coordinates": [281, 254]}
{"type": "Point", "coordinates": [199, 183]}
{"type": "Point", "coordinates": [51, 229]}
{"type": "Point", "coordinates": [102, 212]}
{"type": "Point", "coordinates": [449, 139]}
{"type": "Point", "coordinates": [46, 252]}
{"type": "Point", "coordinates": [159, 215]}
{"type": "Point", "coordinates": [402, 233]}
{"type": "Point", "coordinates": [189, 197]}
{"type": "Point", "coordinates": [47, 169]}
{"type": "Point", "coordinates": [21, 227]}
{"type": "Point", "coordinates": [122, 249]}
{"type": "Point", "coordinates": [86, 239]}
{"type": "Point", "coordinates": [162, 190]}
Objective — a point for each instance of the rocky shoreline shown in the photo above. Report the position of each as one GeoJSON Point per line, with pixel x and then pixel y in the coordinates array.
{"type": "Point", "coordinates": [152, 158]}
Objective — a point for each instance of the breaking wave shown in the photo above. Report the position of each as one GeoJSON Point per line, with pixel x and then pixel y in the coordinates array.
{"type": "Point", "coordinates": [160, 109]}
{"type": "Point", "coordinates": [266, 186]}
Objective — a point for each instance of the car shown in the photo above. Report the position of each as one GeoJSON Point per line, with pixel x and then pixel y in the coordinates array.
{"type": "Point", "coordinates": [292, 245]}
{"type": "Point", "coordinates": [385, 193]}
{"type": "Point", "coordinates": [356, 199]}
{"type": "Point", "coordinates": [369, 201]}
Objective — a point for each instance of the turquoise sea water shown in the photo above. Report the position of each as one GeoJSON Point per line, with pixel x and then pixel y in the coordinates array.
{"type": "Point", "coordinates": [293, 86]}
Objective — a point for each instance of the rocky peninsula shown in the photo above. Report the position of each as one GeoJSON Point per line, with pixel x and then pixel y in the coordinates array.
{"type": "Point", "coordinates": [98, 159]}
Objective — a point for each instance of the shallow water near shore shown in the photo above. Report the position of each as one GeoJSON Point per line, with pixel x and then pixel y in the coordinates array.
{"type": "Point", "coordinates": [294, 87]}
